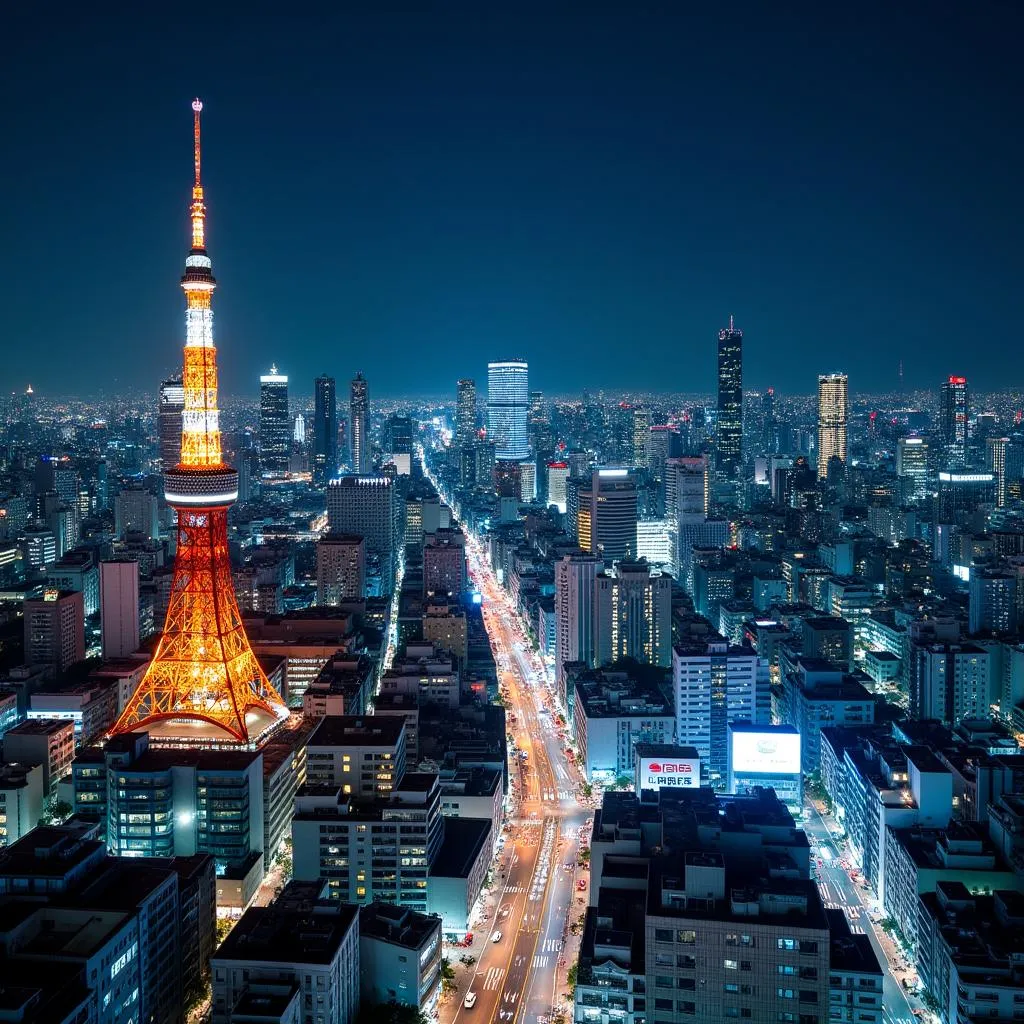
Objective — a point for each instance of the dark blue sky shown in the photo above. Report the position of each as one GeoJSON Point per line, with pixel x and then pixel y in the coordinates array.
{"type": "Point", "coordinates": [412, 194]}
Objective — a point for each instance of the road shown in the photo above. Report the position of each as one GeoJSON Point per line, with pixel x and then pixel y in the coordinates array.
{"type": "Point", "coordinates": [520, 978]}
{"type": "Point", "coordinates": [838, 890]}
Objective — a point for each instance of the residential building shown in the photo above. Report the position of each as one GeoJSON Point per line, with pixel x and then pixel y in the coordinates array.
{"type": "Point", "coordinates": [49, 743]}
{"type": "Point", "coordinates": [21, 800]}
{"type": "Point", "coordinates": [399, 957]}
{"type": "Point", "coordinates": [363, 757]}
{"type": "Point", "coordinates": [340, 569]}
{"type": "Point", "coordinates": [293, 964]}
{"type": "Point", "coordinates": [55, 629]}
{"type": "Point", "coordinates": [119, 608]}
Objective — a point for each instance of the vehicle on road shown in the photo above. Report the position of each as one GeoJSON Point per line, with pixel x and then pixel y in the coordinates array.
{"type": "Point", "coordinates": [496, 937]}
{"type": "Point", "coordinates": [470, 1001]}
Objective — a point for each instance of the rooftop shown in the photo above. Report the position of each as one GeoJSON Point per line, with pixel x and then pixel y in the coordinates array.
{"type": "Point", "coordinates": [271, 935]}
{"type": "Point", "coordinates": [464, 840]}
{"type": "Point", "coordinates": [357, 730]}
{"type": "Point", "coordinates": [398, 925]}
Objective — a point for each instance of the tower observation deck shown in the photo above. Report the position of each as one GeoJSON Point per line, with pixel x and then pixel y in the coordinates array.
{"type": "Point", "coordinates": [204, 686]}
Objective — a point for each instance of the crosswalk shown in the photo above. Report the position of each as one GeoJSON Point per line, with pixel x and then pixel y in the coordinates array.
{"type": "Point", "coordinates": [551, 946]}
{"type": "Point", "coordinates": [515, 888]}
{"type": "Point", "coordinates": [561, 794]}
{"type": "Point", "coordinates": [541, 961]}
{"type": "Point", "coordinates": [492, 979]}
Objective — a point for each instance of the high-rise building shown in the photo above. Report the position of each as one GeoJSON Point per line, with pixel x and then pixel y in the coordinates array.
{"type": "Point", "coordinates": [641, 431]}
{"type": "Point", "coordinates": [686, 488]}
{"type": "Point", "coordinates": [172, 402]}
{"type": "Point", "coordinates": [444, 564]}
{"type": "Point", "coordinates": [275, 424]}
{"type": "Point", "coordinates": [633, 615]}
{"type": "Point", "coordinates": [993, 602]}
{"type": "Point", "coordinates": [832, 419]}
{"type": "Point", "coordinates": [119, 608]}
{"type": "Point", "coordinates": [465, 413]}
{"type": "Point", "coordinates": [954, 412]}
{"type": "Point", "coordinates": [55, 629]}
{"type": "Point", "coordinates": [558, 475]}
{"type": "Point", "coordinates": [607, 514]}
{"type": "Point", "coordinates": [325, 430]}
{"type": "Point", "coordinates": [912, 465]}
{"type": "Point", "coordinates": [729, 438]}
{"type": "Point", "coordinates": [715, 684]}
{"type": "Point", "coordinates": [359, 416]}
{"type": "Point", "coordinates": [135, 511]}
{"type": "Point", "coordinates": [371, 507]}
{"type": "Point", "coordinates": [398, 434]}
{"type": "Point", "coordinates": [340, 569]}
{"type": "Point", "coordinates": [204, 684]}
{"type": "Point", "coordinates": [996, 451]}
{"type": "Point", "coordinates": [508, 403]}
{"type": "Point", "coordinates": [575, 586]}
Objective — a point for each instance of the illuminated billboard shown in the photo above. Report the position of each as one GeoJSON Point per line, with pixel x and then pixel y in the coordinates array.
{"type": "Point", "coordinates": [654, 773]}
{"type": "Point", "coordinates": [766, 753]}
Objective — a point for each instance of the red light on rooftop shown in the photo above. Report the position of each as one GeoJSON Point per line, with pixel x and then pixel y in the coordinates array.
{"type": "Point", "coordinates": [957, 380]}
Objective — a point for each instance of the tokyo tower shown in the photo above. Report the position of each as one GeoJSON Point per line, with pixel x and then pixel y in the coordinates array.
{"type": "Point", "coordinates": [204, 686]}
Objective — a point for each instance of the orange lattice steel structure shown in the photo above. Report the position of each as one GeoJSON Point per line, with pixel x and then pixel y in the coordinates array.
{"type": "Point", "coordinates": [204, 672]}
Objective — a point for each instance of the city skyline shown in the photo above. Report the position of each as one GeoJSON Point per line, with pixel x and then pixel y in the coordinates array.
{"type": "Point", "coordinates": [505, 246]}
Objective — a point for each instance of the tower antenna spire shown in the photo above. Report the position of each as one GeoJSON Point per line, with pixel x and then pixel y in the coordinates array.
{"type": "Point", "coordinates": [198, 206]}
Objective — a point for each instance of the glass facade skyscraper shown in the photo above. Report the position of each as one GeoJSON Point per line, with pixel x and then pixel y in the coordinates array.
{"type": "Point", "coordinates": [275, 426]}
{"type": "Point", "coordinates": [325, 430]}
{"type": "Point", "coordinates": [359, 414]}
{"type": "Point", "coordinates": [954, 419]}
{"type": "Point", "coordinates": [465, 412]}
{"type": "Point", "coordinates": [508, 404]}
{"type": "Point", "coordinates": [729, 441]}
{"type": "Point", "coordinates": [833, 406]}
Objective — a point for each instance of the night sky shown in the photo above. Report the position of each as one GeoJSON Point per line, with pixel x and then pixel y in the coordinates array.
{"type": "Point", "coordinates": [411, 194]}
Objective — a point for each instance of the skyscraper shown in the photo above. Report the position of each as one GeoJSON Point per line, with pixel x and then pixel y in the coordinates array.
{"type": "Point", "coordinates": [954, 414]}
{"type": "Point", "coordinates": [729, 440]}
{"type": "Point", "coordinates": [465, 413]}
{"type": "Point", "coordinates": [325, 430]}
{"type": "Point", "coordinates": [832, 418]}
{"type": "Point", "coordinates": [912, 465]}
{"type": "Point", "coordinates": [633, 615]}
{"type": "Point", "coordinates": [508, 402]}
{"type": "Point", "coordinates": [606, 515]}
{"type": "Point", "coordinates": [359, 414]}
{"type": "Point", "coordinates": [995, 450]}
{"type": "Point", "coordinates": [575, 584]}
{"type": "Point", "coordinates": [172, 401]}
{"type": "Point", "coordinates": [204, 685]}
{"type": "Point", "coordinates": [275, 425]}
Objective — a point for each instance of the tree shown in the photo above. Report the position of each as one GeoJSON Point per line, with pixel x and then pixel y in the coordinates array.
{"type": "Point", "coordinates": [588, 790]}
{"type": "Point", "coordinates": [56, 812]}
{"type": "Point", "coordinates": [390, 1013]}
{"type": "Point", "coordinates": [572, 975]}
{"type": "Point", "coordinates": [447, 975]}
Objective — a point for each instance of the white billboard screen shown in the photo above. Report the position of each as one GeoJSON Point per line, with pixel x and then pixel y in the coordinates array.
{"type": "Point", "coordinates": [766, 752]}
{"type": "Point", "coordinates": [658, 773]}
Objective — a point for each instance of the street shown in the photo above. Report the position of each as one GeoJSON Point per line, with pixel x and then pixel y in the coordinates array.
{"type": "Point", "coordinates": [838, 890]}
{"type": "Point", "coordinates": [538, 887]}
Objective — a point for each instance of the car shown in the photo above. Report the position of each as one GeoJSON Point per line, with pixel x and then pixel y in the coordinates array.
{"type": "Point", "coordinates": [470, 1001]}
{"type": "Point", "coordinates": [496, 937]}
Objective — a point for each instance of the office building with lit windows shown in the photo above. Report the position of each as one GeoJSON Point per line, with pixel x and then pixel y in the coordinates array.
{"type": "Point", "coordinates": [275, 424]}
{"type": "Point", "coordinates": [833, 415]}
{"type": "Point", "coordinates": [340, 569]}
{"type": "Point", "coordinates": [912, 465]}
{"type": "Point", "coordinates": [954, 411]}
{"type": "Point", "coordinates": [372, 850]}
{"type": "Point", "coordinates": [729, 436]}
{"type": "Point", "coordinates": [575, 589]}
{"type": "Point", "coordinates": [359, 423]}
{"type": "Point", "coordinates": [606, 514]}
{"type": "Point", "coordinates": [169, 413]}
{"type": "Point", "coordinates": [995, 457]}
{"type": "Point", "coordinates": [325, 430]}
{"type": "Point", "coordinates": [362, 757]}
{"type": "Point", "coordinates": [508, 404]}
{"type": "Point", "coordinates": [465, 412]}
{"type": "Point", "coordinates": [633, 615]}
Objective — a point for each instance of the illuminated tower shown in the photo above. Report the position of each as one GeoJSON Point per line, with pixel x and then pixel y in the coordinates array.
{"type": "Point", "coordinates": [465, 413]}
{"type": "Point", "coordinates": [204, 686]}
{"type": "Point", "coordinates": [954, 414]}
{"type": "Point", "coordinates": [832, 419]}
{"type": "Point", "coordinates": [729, 440]}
